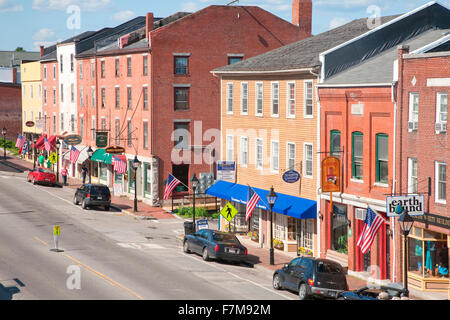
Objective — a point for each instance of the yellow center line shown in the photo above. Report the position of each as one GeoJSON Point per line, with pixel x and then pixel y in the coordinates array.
{"type": "Point", "coordinates": [96, 273]}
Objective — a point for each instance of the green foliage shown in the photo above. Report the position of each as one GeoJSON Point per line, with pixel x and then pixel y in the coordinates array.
{"type": "Point", "coordinates": [187, 212]}
{"type": "Point", "coordinates": [10, 146]}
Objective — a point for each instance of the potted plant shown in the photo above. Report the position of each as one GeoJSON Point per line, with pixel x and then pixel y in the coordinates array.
{"type": "Point", "coordinates": [278, 244]}
{"type": "Point", "coordinates": [254, 235]}
{"type": "Point", "coordinates": [305, 252]}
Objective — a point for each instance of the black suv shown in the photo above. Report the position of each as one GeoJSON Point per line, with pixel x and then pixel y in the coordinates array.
{"type": "Point", "coordinates": [311, 277]}
{"type": "Point", "coordinates": [93, 195]}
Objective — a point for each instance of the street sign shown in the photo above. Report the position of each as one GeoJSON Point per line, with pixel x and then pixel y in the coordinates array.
{"type": "Point", "coordinates": [101, 139]}
{"type": "Point", "coordinates": [226, 171]}
{"type": "Point", "coordinates": [228, 212]}
{"type": "Point", "coordinates": [291, 176]}
{"type": "Point", "coordinates": [115, 150]}
{"type": "Point", "coordinates": [53, 158]}
{"type": "Point", "coordinates": [415, 204]}
{"type": "Point", "coordinates": [29, 124]}
{"type": "Point", "coordinates": [202, 224]}
{"type": "Point", "coordinates": [73, 140]}
{"type": "Point", "coordinates": [56, 230]}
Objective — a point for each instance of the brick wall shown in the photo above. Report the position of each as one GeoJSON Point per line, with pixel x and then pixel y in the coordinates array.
{"type": "Point", "coordinates": [11, 109]}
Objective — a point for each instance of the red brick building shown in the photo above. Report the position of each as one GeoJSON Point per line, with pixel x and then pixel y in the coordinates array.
{"type": "Point", "coordinates": [50, 97]}
{"type": "Point", "coordinates": [11, 109]}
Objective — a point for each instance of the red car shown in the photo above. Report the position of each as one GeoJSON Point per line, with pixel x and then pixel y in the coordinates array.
{"type": "Point", "coordinates": [42, 176]}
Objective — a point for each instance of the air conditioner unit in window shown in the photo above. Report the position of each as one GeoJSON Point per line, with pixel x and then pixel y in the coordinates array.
{"type": "Point", "coordinates": [441, 127]}
{"type": "Point", "coordinates": [360, 214]}
{"type": "Point", "coordinates": [412, 126]}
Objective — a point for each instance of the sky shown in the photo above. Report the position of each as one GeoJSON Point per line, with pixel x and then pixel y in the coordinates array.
{"type": "Point", "coordinates": [31, 23]}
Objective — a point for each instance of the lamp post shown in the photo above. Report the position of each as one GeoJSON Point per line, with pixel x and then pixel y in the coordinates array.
{"type": "Point", "coordinates": [194, 184]}
{"type": "Point", "coordinates": [4, 142]}
{"type": "Point", "coordinates": [136, 164]}
{"type": "Point", "coordinates": [406, 223]}
{"type": "Point", "coordinates": [34, 151]}
{"type": "Point", "coordinates": [90, 152]}
{"type": "Point", "coordinates": [58, 145]}
{"type": "Point", "coordinates": [271, 198]}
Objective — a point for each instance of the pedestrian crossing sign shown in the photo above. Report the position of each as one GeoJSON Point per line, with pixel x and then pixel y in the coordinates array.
{"type": "Point", "coordinates": [228, 212]}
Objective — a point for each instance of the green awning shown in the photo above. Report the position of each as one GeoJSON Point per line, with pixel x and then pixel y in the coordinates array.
{"type": "Point", "coordinates": [101, 156]}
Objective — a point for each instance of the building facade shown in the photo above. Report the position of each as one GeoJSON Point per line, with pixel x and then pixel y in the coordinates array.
{"type": "Point", "coordinates": [32, 99]}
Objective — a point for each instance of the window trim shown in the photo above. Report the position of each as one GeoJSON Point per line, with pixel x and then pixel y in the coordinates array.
{"type": "Point", "coordinates": [439, 95]}
{"type": "Point", "coordinates": [353, 177]}
{"type": "Point", "coordinates": [272, 114]}
{"type": "Point", "coordinates": [288, 143]}
{"type": "Point", "coordinates": [262, 153]}
{"type": "Point", "coordinates": [180, 56]}
{"type": "Point", "coordinates": [261, 114]}
{"type": "Point", "coordinates": [333, 133]}
{"type": "Point", "coordinates": [227, 148]}
{"type": "Point", "coordinates": [188, 89]}
{"type": "Point", "coordinates": [410, 161]}
{"type": "Point", "coordinates": [242, 100]}
{"type": "Point", "coordinates": [377, 160]}
{"type": "Point", "coordinates": [272, 169]}
{"type": "Point", "coordinates": [288, 99]}
{"type": "Point", "coordinates": [230, 85]}
{"type": "Point", "coordinates": [305, 173]}
{"type": "Point", "coordinates": [436, 185]}
{"type": "Point", "coordinates": [410, 111]}
{"type": "Point", "coordinates": [241, 149]}
{"type": "Point", "coordinates": [305, 115]}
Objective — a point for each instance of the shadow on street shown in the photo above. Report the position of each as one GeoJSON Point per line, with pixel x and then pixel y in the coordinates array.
{"type": "Point", "coordinates": [6, 293]}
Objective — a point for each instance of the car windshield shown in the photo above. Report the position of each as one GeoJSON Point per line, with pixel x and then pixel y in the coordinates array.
{"type": "Point", "coordinates": [99, 190]}
{"type": "Point", "coordinates": [327, 267]}
{"type": "Point", "coordinates": [45, 171]}
{"type": "Point", "coordinates": [224, 237]}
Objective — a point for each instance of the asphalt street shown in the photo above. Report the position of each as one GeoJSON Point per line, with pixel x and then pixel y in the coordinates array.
{"type": "Point", "coordinates": [104, 254]}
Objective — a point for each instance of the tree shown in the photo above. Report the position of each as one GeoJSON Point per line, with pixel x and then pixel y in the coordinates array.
{"type": "Point", "coordinates": [19, 49]}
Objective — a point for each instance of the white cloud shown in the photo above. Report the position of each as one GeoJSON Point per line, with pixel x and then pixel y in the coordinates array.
{"type": "Point", "coordinates": [337, 22]}
{"type": "Point", "coordinates": [43, 34]}
{"type": "Point", "coordinates": [344, 3]}
{"type": "Point", "coordinates": [189, 6]}
{"type": "Point", "coordinates": [62, 5]}
{"type": "Point", "coordinates": [123, 16]}
{"type": "Point", "coordinates": [9, 6]}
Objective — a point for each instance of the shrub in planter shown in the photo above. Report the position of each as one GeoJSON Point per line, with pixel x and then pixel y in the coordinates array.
{"type": "Point", "coordinates": [253, 235]}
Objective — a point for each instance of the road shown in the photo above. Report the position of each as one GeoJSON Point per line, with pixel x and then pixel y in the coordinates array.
{"type": "Point", "coordinates": [105, 255]}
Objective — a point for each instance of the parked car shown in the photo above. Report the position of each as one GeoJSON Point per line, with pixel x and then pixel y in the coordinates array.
{"type": "Point", "coordinates": [311, 277]}
{"type": "Point", "coordinates": [368, 293]}
{"type": "Point", "coordinates": [42, 176]}
{"type": "Point", "coordinates": [215, 245]}
{"type": "Point", "coordinates": [93, 195]}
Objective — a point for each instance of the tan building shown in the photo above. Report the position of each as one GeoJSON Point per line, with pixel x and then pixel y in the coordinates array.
{"type": "Point", "coordinates": [31, 99]}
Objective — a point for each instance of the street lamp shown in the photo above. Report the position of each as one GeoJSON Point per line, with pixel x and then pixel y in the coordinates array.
{"type": "Point", "coordinates": [271, 198]}
{"type": "Point", "coordinates": [90, 152]}
{"type": "Point", "coordinates": [58, 145]}
{"type": "Point", "coordinates": [4, 142]}
{"type": "Point", "coordinates": [194, 184]}
{"type": "Point", "coordinates": [406, 223]}
{"type": "Point", "coordinates": [136, 164]}
{"type": "Point", "coordinates": [34, 150]}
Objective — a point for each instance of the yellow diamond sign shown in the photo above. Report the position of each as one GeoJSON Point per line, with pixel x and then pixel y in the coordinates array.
{"type": "Point", "coordinates": [228, 212]}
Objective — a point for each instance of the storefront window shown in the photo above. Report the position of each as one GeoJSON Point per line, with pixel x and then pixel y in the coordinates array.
{"type": "Point", "coordinates": [255, 219]}
{"type": "Point", "coordinates": [103, 171]}
{"type": "Point", "coordinates": [339, 229]}
{"type": "Point", "coordinates": [279, 226]}
{"type": "Point", "coordinates": [307, 233]}
{"type": "Point", "coordinates": [118, 178]}
{"type": "Point", "coordinates": [292, 228]}
{"type": "Point", "coordinates": [95, 169]}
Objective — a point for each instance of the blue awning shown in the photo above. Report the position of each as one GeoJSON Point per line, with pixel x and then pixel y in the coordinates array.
{"type": "Point", "coordinates": [291, 206]}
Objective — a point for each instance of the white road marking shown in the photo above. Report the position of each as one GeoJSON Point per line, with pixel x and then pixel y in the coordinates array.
{"type": "Point", "coordinates": [140, 246]}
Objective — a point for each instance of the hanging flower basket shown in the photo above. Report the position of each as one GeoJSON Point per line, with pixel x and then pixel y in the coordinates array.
{"type": "Point", "coordinates": [254, 236]}
{"type": "Point", "coordinates": [305, 252]}
{"type": "Point", "coordinates": [278, 244]}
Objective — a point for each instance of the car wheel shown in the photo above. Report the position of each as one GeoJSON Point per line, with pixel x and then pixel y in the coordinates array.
{"type": "Point", "coordinates": [84, 205]}
{"type": "Point", "coordinates": [277, 282]}
{"type": "Point", "coordinates": [186, 247]}
{"type": "Point", "coordinates": [75, 201]}
{"type": "Point", "coordinates": [205, 254]}
{"type": "Point", "coordinates": [303, 292]}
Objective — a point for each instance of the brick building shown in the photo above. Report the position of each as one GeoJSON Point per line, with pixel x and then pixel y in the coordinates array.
{"type": "Point", "coordinates": [11, 109]}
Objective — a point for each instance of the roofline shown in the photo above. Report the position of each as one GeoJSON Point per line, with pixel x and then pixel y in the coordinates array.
{"type": "Point", "coordinates": [429, 4]}
{"type": "Point", "coordinates": [432, 45]}
{"type": "Point", "coordinates": [427, 55]}
{"type": "Point", "coordinates": [244, 73]}
{"type": "Point", "coordinates": [353, 85]}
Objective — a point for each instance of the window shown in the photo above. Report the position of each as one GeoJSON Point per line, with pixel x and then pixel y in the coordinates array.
{"type": "Point", "coordinates": [412, 175]}
{"type": "Point", "coordinates": [117, 68]}
{"type": "Point", "coordinates": [441, 182]}
{"type": "Point", "coordinates": [117, 125]}
{"type": "Point", "coordinates": [181, 135]}
{"type": "Point", "coordinates": [308, 99]}
{"type": "Point", "coordinates": [181, 98]}
{"type": "Point", "coordinates": [103, 124]}
{"type": "Point", "coordinates": [31, 91]}
{"type": "Point", "coordinates": [72, 122]}
{"type": "Point", "coordinates": [72, 63]}
{"type": "Point", "coordinates": [92, 69]}
{"type": "Point", "coordinates": [232, 60]}
{"type": "Point", "coordinates": [181, 65]}
{"type": "Point", "coordinates": [145, 89]}
{"type": "Point", "coordinates": [72, 92]}
{"type": "Point", "coordinates": [145, 135]}
{"type": "Point", "coordinates": [230, 148]}
{"type": "Point", "coordinates": [93, 128]}
{"type": "Point", "coordinates": [441, 107]}
{"type": "Point", "coordinates": [275, 98]}
{"type": "Point", "coordinates": [117, 97]}
{"type": "Point", "coordinates": [102, 69]}
{"type": "Point", "coordinates": [259, 153]}
{"type": "Point", "coordinates": [413, 107]}
{"type": "Point", "coordinates": [54, 124]}
{"type": "Point", "coordinates": [382, 167]}
{"type": "Point", "coordinates": [81, 70]}
{"type": "Point", "coordinates": [275, 156]}
{"type": "Point", "coordinates": [290, 156]}
{"type": "Point", "coordinates": [81, 97]}
{"type": "Point", "coordinates": [244, 98]}
{"type": "Point", "coordinates": [308, 160]}
{"type": "Point", "coordinates": [61, 63]}
{"type": "Point", "coordinates": [335, 143]}
{"type": "Point", "coordinates": [129, 66]}
{"type": "Point", "coordinates": [103, 98]}
{"type": "Point", "coordinates": [45, 95]}
{"type": "Point", "coordinates": [129, 98]}
{"type": "Point", "coordinates": [62, 92]}
{"type": "Point", "coordinates": [62, 122]}
{"type": "Point", "coordinates": [259, 99]}
{"type": "Point", "coordinates": [54, 96]}
{"type": "Point", "coordinates": [290, 110]}
{"type": "Point", "coordinates": [45, 72]}
{"type": "Point", "coordinates": [45, 123]}
{"type": "Point", "coordinates": [93, 96]}
{"type": "Point", "coordinates": [54, 72]}
{"type": "Point", "coordinates": [244, 151]}
{"type": "Point", "coordinates": [357, 155]}
{"type": "Point", "coordinates": [230, 97]}
{"type": "Point", "coordinates": [145, 65]}
{"type": "Point", "coordinates": [129, 134]}
{"type": "Point", "coordinates": [339, 228]}
{"type": "Point", "coordinates": [82, 127]}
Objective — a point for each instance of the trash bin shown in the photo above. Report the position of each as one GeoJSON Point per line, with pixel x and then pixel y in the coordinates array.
{"type": "Point", "coordinates": [188, 227]}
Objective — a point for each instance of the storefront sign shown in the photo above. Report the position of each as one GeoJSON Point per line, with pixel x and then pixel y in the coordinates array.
{"type": "Point", "coordinates": [291, 176]}
{"type": "Point", "coordinates": [331, 175]}
{"type": "Point", "coordinates": [73, 140]}
{"type": "Point", "coordinates": [226, 171]}
{"type": "Point", "coordinates": [434, 220]}
{"type": "Point", "coordinates": [29, 124]}
{"type": "Point", "coordinates": [413, 203]}
{"type": "Point", "coordinates": [202, 224]}
{"type": "Point", "coordinates": [115, 150]}
{"type": "Point", "coordinates": [101, 139]}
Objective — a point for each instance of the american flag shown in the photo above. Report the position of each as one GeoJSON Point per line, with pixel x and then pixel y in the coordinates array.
{"type": "Point", "coordinates": [74, 154]}
{"type": "Point", "coordinates": [20, 141]}
{"type": "Point", "coordinates": [119, 166]}
{"type": "Point", "coordinates": [47, 145]}
{"type": "Point", "coordinates": [253, 199]}
{"type": "Point", "coordinates": [172, 182]}
{"type": "Point", "coordinates": [372, 223]}
{"type": "Point", "coordinates": [24, 148]}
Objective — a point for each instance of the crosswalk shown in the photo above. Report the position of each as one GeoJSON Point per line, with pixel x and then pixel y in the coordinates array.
{"type": "Point", "coordinates": [140, 246]}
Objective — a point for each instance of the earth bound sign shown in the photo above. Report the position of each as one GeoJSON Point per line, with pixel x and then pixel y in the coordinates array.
{"type": "Point", "coordinates": [414, 204]}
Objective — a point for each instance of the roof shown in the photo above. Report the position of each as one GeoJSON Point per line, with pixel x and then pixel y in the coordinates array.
{"type": "Point", "coordinates": [15, 58]}
{"type": "Point", "coordinates": [379, 69]}
{"type": "Point", "coordinates": [303, 53]}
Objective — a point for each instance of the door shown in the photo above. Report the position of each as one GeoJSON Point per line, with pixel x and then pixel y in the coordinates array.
{"type": "Point", "coordinates": [289, 274]}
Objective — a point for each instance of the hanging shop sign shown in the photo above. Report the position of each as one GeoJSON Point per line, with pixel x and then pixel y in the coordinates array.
{"type": "Point", "coordinates": [331, 175]}
{"type": "Point", "coordinates": [415, 204]}
{"type": "Point", "coordinates": [73, 140]}
{"type": "Point", "coordinates": [29, 124]}
{"type": "Point", "coordinates": [115, 150]}
{"type": "Point", "coordinates": [226, 171]}
{"type": "Point", "coordinates": [101, 139]}
{"type": "Point", "coordinates": [434, 219]}
{"type": "Point", "coordinates": [291, 176]}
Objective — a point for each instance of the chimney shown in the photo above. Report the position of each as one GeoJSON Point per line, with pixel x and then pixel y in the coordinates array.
{"type": "Point", "coordinates": [302, 15]}
{"type": "Point", "coordinates": [42, 51]}
{"type": "Point", "coordinates": [148, 24]}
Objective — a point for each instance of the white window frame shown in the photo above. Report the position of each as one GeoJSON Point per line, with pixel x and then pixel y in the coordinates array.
{"type": "Point", "coordinates": [242, 98]}
{"type": "Point", "coordinates": [288, 99]}
{"type": "Point", "coordinates": [288, 144]}
{"type": "Point", "coordinates": [439, 96]}
{"type": "Point", "coordinates": [229, 148]}
{"type": "Point", "coordinates": [436, 188]}
{"type": "Point", "coordinates": [81, 70]}
{"type": "Point", "coordinates": [244, 152]}
{"type": "Point", "coordinates": [257, 84]}
{"type": "Point", "coordinates": [230, 98]}
{"type": "Point", "coordinates": [81, 97]}
{"type": "Point", "coordinates": [410, 175]}
{"type": "Point", "coordinates": [257, 165]}
{"type": "Point", "coordinates": [272, 156]}
{"type": "Point", "coordinates": [305, 160]}
{"type": "Point", "coordinates": [45, 72]}
{"type": "Point", "coordinates": [274, 98]}
{"type": "Point", "coordinates": [305, 95]}
{"type": "Point", "coordinates": [410, 108]}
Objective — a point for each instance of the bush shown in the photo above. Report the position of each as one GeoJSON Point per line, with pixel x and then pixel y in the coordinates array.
{"type": "Point", "coordinates": [10, 145]}
{"type": "Point", "coordinates": [187, 212]}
